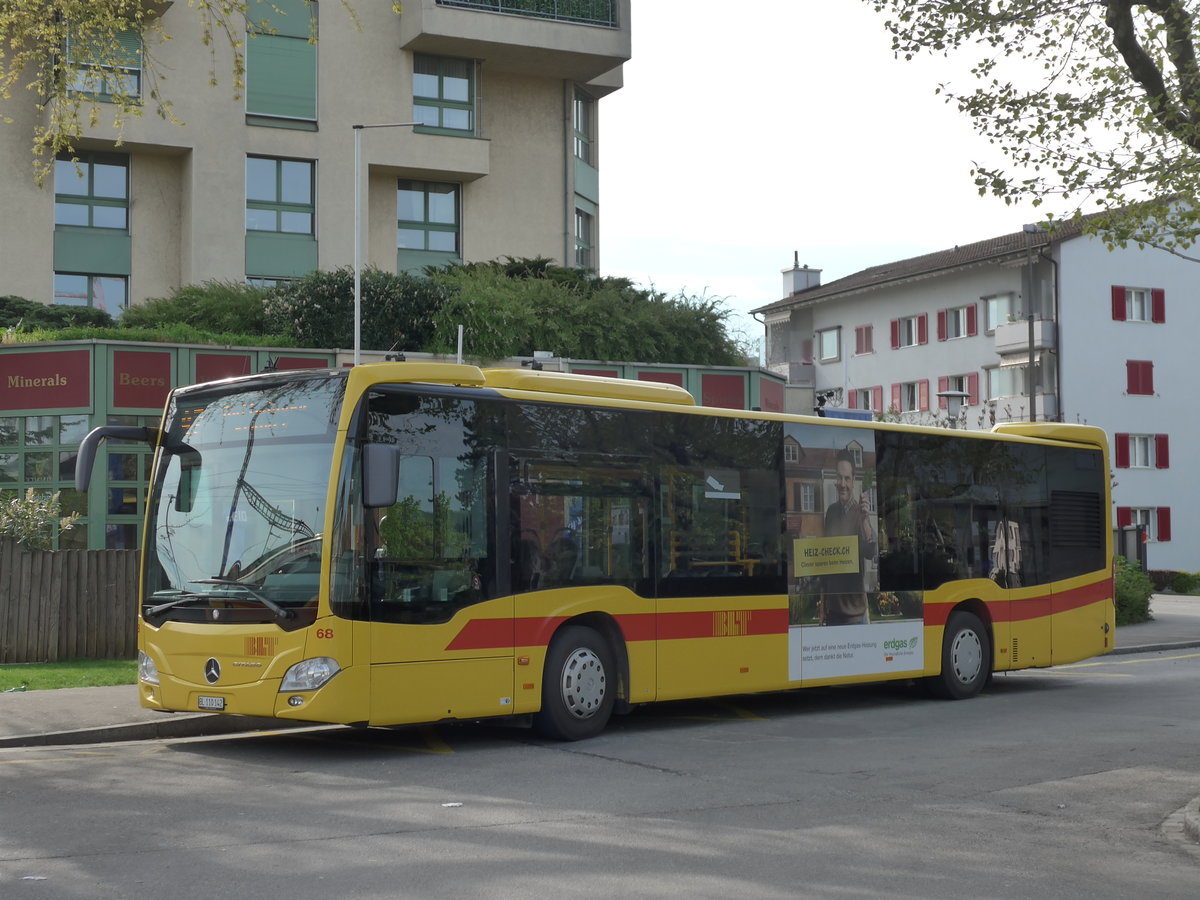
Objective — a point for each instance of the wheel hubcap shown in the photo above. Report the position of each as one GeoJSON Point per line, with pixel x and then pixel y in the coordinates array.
{"type": "Point", "coordinates": [583, 683]}
{"type": "Point", "coordinates": [967, 656]}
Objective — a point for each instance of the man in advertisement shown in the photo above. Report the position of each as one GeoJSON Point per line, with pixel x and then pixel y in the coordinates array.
{"type": "Point", "coordinates": [844, 596]}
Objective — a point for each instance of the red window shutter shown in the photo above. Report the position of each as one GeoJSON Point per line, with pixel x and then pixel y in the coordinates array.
{"type": "Point", "coordinates": [973, 386]}
{"type": "Point", "coordinates": [1121, 445]}
{"type": "Point", "coordinates": [1162, 452]}
{"type": "Point", "coordinates": [1124, 516]}
{"type": "Point", "coordinates": [941, 324]}
{"type": "Point", "coordinates": [877, 398]}
{"type": "Point", "coordinates": [1118, 303]}
{"type": "Point", "coordinates": [1139, 376]}
{"type": "Point", "coordinates": [1164, 523]}
{"type": "Point", "coordinates": [923, 395]}
{"type": "Point", "coordinates": [858, 339]}
{"type": "Point", "coordinates": [923, 328]}
{"type": "Point", "coordinates": [943, 385]}
{"type": "Point", "coordinates": [972, 320]}
{"type": "Point", "coordinates": [1158, 305]}
{"type": "Point", "coordinates": [868, 339]}
{"type": "Point", "coordinates": [895, 333]}
{"type": "Point", "coordinates": [853, 404]}
{"type": "Point", "coordinates": [896, 398]}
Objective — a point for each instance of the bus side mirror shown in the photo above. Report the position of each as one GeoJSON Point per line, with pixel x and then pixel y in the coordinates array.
{"type": "Point", "coordinates": [91, 443]}
{"type": "Point", "coordinates": [381, 475]}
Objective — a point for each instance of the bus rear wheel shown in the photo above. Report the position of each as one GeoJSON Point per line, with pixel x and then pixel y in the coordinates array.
{"type": "Point", "coordinates": [578, 686]}
{"type": "Point", "coordinates": [966, 658]}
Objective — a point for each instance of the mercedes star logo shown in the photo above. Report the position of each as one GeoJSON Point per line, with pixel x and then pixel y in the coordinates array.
{"type": "Point", "coordinates": [212, 671]}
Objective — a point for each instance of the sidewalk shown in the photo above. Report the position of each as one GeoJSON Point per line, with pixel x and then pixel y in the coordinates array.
{"type": "Point", "coordinates": [99, 715]}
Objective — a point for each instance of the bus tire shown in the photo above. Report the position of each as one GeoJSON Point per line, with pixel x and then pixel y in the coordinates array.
{"type": "Point", "coordinates": [966, 658]}
{"type": "Point", "coordinates": [578, 686]}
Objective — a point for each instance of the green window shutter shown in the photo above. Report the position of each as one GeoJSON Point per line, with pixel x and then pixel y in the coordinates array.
{"type": "Point", "coordinates": [131, 49]}
{"type": "Point", "coordinates": [284, 18]}
{"type": "Point", "coordinates": [281, 77]}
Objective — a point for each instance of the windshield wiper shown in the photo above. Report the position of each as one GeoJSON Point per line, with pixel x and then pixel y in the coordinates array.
{"type": "Point", "coordinates": [266, 601]}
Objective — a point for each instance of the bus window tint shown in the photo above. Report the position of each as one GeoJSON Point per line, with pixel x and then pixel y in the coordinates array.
{"type": "Point", "coordinates": [431, 550]}
{"type": "Point", "coordinates": [579, 524]}
{"type": "Point", "coordinates": [1077, 520]}
{"type": "Point", "coordinates": [955, 508]}
{"type": "Point", "coordinates": [721, 506]}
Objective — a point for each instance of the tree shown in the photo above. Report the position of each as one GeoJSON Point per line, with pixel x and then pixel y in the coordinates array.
{"type": "Point", "coordinates": [66, 53]}
{"type": "Point", "coordinates": [1093, 101]}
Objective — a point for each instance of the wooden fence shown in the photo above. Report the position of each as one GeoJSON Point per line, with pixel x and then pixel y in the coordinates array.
{"type": "Point", "coordinates": [67, 604]}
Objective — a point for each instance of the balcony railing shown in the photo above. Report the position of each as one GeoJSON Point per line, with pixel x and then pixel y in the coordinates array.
{"type": "Point", "coordinates": [582, 12]}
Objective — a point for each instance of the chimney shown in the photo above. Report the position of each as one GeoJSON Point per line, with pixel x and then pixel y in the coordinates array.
{"type": "Point", "coordinates": [797, 279]}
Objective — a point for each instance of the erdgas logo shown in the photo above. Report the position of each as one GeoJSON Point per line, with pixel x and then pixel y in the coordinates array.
{"type": "Point", "coordinates": [900, 644]}
{"type": "Point", "coordinates": [212, 671]}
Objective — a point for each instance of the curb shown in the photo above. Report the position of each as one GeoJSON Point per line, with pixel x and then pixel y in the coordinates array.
{"type": "Point", "coordinates": [1153, 648]}
{"type": "Point", "coordinates": [179, 726]}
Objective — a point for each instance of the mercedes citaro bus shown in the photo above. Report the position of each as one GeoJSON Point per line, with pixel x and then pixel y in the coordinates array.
{"type": "Point", "coordinates": [418, 542]}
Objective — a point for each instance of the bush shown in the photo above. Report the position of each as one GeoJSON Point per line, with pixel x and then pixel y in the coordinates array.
{"type": "Point", "coordinates": [1133, 589]}
{"type": "Point", "coordinates": [30, 315]}
{"type": "Point", "coordinates": [220, 307]}
{"type": "Point", "coordinates": [1162, 578]}
{"type": "Point", "coordinates": [1185, 582]}
{"type": "Point", "coordinates": [398, 310]}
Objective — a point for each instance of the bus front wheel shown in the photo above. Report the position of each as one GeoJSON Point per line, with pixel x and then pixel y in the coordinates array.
{"type": "Point", "coordinates": [966, 658]}
{"type": "Point", "coordinates": [578, 686]}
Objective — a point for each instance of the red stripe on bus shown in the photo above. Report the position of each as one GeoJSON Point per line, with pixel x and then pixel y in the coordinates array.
{"type": "Point", "coordinates": [496, 634]}
{"type": "Point", "coordinates": [1031, 607]}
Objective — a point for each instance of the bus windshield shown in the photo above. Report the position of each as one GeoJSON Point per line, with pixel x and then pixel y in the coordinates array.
{"type": "Point", "coordinates": [239, 502]}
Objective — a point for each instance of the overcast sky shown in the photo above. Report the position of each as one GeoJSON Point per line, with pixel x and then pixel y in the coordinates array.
{"type": "Point", "coordinates": [746, 132]}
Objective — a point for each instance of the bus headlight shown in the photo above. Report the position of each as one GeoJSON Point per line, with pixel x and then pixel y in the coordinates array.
{"type": "Point", "coordinates": [309, 674]}
{"type": "Point", "coordinates": [147, 670]}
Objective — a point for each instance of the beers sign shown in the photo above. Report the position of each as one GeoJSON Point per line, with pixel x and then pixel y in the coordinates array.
{"type": "Point", "coordinates": [45, 380]}
{"type": "Point", "coordinates": [140, 379]}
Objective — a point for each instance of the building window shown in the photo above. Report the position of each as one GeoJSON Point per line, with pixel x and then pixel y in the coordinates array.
{"type": "Point", "coordinates": [427, 216]}
{"type": "Point", "coordinates": [966, 384]}
{"type": "Point", "coordinates": [956, 323]}
{"type": "Point", "coordinates": [92, 190]}
{"type": "Point", "coordinates": [444, 93]}
{"type": "Point", "coordinates": [791, 452]}
{"type": "Point", "coordinates": [279, 195]}
{"type": "Point", "coordinates": [120, 77]}
{"type": "Point", "coordinates": [864, 339]}
{"type": "Point", "coordinates": [910, 331]}
{"type": "Point", "coordinates": [584, 241]}
{"type": "Point", "coordinates": [829, 344]}
{"type": "Point", "coordinates": [1142, 451]}
{"type": "Point", "coordinates": [808, 497]}
{"type": "Point", "coordinates": [1156, 520]}
{"type": "Point", "coordinates": [107, 292]}
{"type": "Point", "coordinates": [911, 396]}
{"type": "Point", "coordinates": [999, 309]}
{"type": "Point", "coordinates": [281, 64]}
{"type": "Point", "coordinates": [1139, 376]}
{"type": "Point", "coordinates": [38, 452]}
{"type": "Point", "coordinates": [585, 127]}
{"type": "Point", "coordinates": [1006, 381]}
{"type": "Point", "coordinates": [870, 399]}
{"type": "Point", "coordinates": [1131, 304]}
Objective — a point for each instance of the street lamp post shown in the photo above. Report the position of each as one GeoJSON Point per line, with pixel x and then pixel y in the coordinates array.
{"type": "Point", "coordinates": [954, 401]}
{"type": "Point", "coordinates": [358, 130]}
{"type": "Point", "coordinates": [1031, 230]}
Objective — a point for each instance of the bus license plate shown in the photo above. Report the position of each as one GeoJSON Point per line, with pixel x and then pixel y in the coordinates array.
{"type": "Point", "coordinates": [217, 703]}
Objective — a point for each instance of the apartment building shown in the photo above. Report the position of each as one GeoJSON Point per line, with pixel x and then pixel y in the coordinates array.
{"type": "Point", "coordinates": [1023, 326]}
{"type": "Point", "coordinates": [501, 158]}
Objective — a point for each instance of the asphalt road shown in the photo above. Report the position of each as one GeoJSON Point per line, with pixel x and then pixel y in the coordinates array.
{"type": "Point", "coordinates": [1053, 784]}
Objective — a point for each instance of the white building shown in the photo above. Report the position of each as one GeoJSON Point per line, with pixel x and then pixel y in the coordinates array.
{"type": "Point", "coordinates": [1110, 334]}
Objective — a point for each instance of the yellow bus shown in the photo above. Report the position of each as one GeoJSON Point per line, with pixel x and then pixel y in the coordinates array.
{"type": "Point", "coordinates": [419, 542]}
